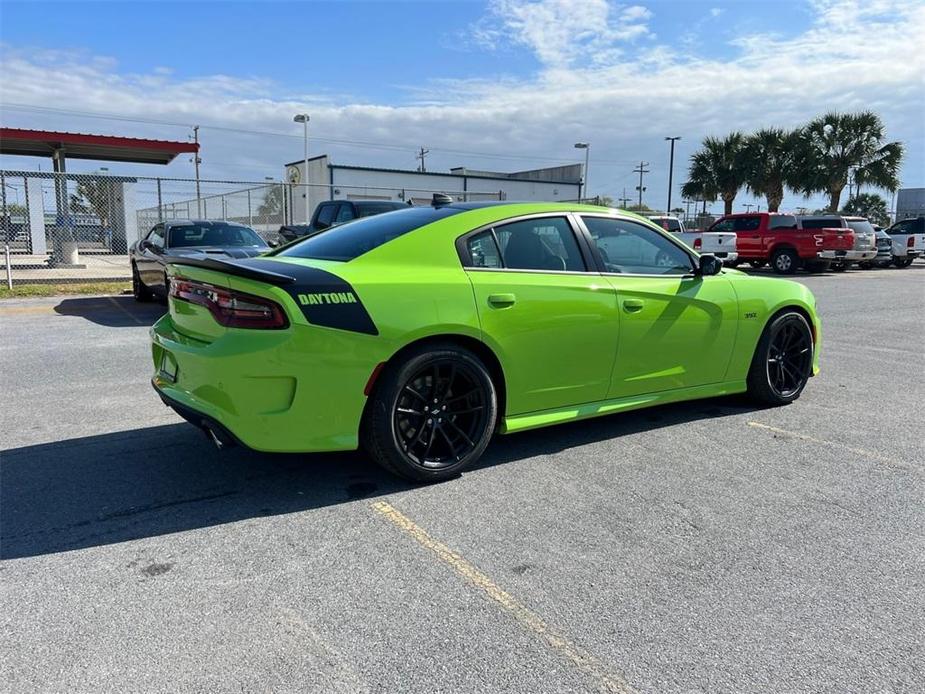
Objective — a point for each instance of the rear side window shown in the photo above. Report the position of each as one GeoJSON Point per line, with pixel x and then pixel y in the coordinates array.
{"type": "Point", "coordinates": [363, 235]}
{"type": "Point", "coordinates": [747, 224]}
{"type": "Point", "coordinates": [367, 209]}
{"type": "Point", "coordinates": [782, 221]}
{"type": "Point", "coordinates": [861, 226]}
{"type": "Point", "coordinates": [540, 244]}
{"type": "Point", "coordinates": [483, 251]}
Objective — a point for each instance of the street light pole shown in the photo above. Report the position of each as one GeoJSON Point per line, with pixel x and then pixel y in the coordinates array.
{"type": "Point", "coordinates": [671, 171]}
{"type": "Point", "coordinates": [586, 146]}
{"type": "Point", "coordinates": [303, 118]}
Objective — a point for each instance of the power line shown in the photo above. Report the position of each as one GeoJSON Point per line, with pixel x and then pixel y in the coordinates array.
{"type": "Point", "coordinates": [28, 108]}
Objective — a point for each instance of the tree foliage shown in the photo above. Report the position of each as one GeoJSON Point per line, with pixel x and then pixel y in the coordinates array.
{"type": "Point", "coordinates": [717, 170]}
{"type": "Point", "coordinates": [769, 158]}
{"type": "Point", "coordinates": [868, 205]}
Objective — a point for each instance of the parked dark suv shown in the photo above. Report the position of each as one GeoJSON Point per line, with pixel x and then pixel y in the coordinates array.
{"type": "Point", "coordinates": [333, 212]}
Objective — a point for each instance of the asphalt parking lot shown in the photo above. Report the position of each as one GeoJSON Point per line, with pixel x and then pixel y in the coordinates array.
{"type": "Point", "coordinates": [706, 546]}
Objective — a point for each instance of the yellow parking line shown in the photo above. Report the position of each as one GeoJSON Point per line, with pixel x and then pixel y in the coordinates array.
{"type": "Point", "coordinates": [607, 680]}
{"type": "Point", "coordinates": [834, 444]}
{"type": "Point", "coordinates": [11, 310]}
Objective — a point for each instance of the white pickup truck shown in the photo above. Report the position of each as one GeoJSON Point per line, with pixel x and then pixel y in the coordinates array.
{"type": "Point", "coordinates": [722, 244]}
{"type": "Point", "coordinates": [908, 240]}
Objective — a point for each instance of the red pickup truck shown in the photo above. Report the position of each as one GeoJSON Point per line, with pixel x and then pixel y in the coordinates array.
{"type": "Point", "coordinates": [769, 237]}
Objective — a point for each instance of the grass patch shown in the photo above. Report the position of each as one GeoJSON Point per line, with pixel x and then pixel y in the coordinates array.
{"type": "Point", "coordinates": [26, 290]}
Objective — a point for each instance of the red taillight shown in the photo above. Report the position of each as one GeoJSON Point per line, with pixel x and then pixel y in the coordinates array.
{"type": "Point", "coordinates": [910, 242]}
{"type": "Point", "coordinates": [698, 244]}
{"type": "Point", "coordinates": [232, 309]}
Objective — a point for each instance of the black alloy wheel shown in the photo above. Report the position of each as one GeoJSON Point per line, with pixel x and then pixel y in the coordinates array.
{"type": "Point", "coordinates": [440, 414]}
{"type": "Point", "coordinates": [783, 360]}
{"type": "Point", "coordinates": [789, 359]}
{"type": "Point", "coordinates": [431, 414]}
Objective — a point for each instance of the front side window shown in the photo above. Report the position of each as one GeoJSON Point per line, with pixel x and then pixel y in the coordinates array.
{"type": "Point", "coordinates": [904, 227]}
{"type": "Point", "coordinates": [325, 215]}
{"type": "Point", "coordinates": [546, 243]}
{"type": "Point", "coordinates": [156, 237]}
{"type": "Point", "coordinates": [344, 213]}
{"type": "Point", "coordinates": [630, 247]}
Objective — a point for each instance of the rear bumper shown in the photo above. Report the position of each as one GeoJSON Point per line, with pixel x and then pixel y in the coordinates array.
{"type": "Point", "coordinates": [858, 256]}
{"type": "Point", "coordinates": [293, 390]}
{"type": "Point", "coordinates": [833, 255]}
{"type": "Point", "coordinates": [725, 256]}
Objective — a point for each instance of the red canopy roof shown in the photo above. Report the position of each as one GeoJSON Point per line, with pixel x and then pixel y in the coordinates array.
{"type": "Point", "coordinates": [42, 143]}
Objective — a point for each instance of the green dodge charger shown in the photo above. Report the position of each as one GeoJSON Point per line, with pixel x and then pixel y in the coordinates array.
{"type": "Point", "coordinates": [418, 334]}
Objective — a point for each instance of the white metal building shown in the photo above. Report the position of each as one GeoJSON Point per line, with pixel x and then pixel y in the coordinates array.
{"type": "Point", "coordinates": [910, 202]}
{"type": "Point", "coordinates": [330, 181]}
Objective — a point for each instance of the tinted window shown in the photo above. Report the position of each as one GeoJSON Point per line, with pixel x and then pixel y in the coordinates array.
{"type": "Point", "coordinates": [365, 209]}
{"type": "Point", "coordinates": [746, 223]}
{"type": "Point", "coordinates": [212, 234]}
{"type": "Point", "coordinates": [782, 221]}
{"type": "Point", "coordinates": [634, 248]}
{"type": "Point", "coordinates": [723, 225]}
{"type": "Point", "coordinates": [546, 243]}
{"type": "Point", "coordinates": [362, 235]}
{"type": "Point", "coordinates": [830, 223]}
{"type": "Point", "coordinates": [325, 215]}
{"type": "Point", "coordinates": [483, 250]}
{"type": "Point", "coordinates": [344, 213]}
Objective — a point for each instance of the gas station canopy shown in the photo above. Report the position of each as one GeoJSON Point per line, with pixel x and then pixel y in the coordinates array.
{"type": "Point", "coordinates": [44, 143]}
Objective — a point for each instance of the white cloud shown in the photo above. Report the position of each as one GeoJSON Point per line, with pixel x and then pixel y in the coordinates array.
{"type": "Point", "coordinates": [716, 11]}
{"type": "Point", "coordinates": [563, 32]}
{"type": "Point", "coordinates": [624, 105]}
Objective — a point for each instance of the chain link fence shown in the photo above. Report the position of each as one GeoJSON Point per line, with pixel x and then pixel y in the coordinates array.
{"type": "Point", "coordinates": [61, 228]}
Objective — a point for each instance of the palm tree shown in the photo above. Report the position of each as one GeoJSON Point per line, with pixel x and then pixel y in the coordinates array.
{"type": "Point", "coordinates": [717, 170]}
{"type": "Point", "coordinates": [868, 205]}
{"type": "Point", "coordinates": [833, 144]}
{"type": "Point", "coordinates": [770, 156]}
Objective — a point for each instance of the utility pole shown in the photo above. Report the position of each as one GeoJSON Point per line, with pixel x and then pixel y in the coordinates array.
{"type": "Point", "coordinates": [624, 201]}
{"type": "Point", "coordinates": [670, 171]}
{"type": "Point", "coordinates": [197, 160]}
{"type": "Point", "coordinates": [420, 155]}
{"type": "Point", "coordinates": [641, 170]}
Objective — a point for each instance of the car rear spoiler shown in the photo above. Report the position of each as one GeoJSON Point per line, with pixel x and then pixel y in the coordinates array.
{"type": "Point", "coordinates": [240, 268]}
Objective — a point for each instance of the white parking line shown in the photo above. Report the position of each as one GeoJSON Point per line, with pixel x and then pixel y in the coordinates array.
{"type": "Point", "coordinates": [835, 444]}
{"type": "Point", "coordinates": [587, 663]}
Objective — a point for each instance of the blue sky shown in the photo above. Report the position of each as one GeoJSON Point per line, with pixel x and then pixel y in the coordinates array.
{"type": "Point", "coordinates": [519, 80]}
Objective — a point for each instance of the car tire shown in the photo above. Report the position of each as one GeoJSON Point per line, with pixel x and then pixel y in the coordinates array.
{"type": "Point", "coordinates": [431, 414]}
{"type": "Point", "coordinates": [839, 267]}
{"type": "Point", "coordinates": [783, 360]}
{"type": "Point", "coordinates": [140, 290]}
{"type": "Point", "coordinates": [902, 262]}
{"type": "Point", "coordinates": [785, 261]}
{"type": "Point", "coordinates": [756, 264]}
{"type": "Point", "coordinates": [865, 265]}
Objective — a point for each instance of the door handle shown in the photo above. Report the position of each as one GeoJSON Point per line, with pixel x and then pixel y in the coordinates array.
{"type": "Point", "coordinates": [501, 300]}
{"type": "Point", "coordinates": [633, 305]}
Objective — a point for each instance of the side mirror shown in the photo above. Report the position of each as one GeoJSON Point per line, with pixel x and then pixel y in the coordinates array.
{"type": "Point", "coordinates": [144, 245]}
{"type": "Point", "coordinates": [709, 265]}
{"type": "Point", "coordinates": [273, 243]}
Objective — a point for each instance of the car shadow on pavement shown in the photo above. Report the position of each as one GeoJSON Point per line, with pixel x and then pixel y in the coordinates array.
{"type": "Point", "coordinates": [112, 311]}
{"type": "Point", "coordinates": [99, 490]}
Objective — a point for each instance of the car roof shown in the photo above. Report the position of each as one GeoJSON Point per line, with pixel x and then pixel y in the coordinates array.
{"type": "Point", "coordinates": [203, 222]}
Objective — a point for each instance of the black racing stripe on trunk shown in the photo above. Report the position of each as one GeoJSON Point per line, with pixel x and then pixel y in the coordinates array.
{"type": "Point", "coordinates": [324, 298]}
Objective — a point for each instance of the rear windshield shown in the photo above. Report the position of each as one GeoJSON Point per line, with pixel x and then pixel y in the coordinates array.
{"type": "Point", "coordinates": [862, 226]}
{"type": "Point", "coordinates": [667, 224]}
{"type": "Point", "coordinates": [782, 221]}
{"type": "Point", "coordinates": [363, 235]}
{"type": "Point", "coordinates": [214, 234]}
{"type": "Point", "coordinates": [367, 209]}
{"type": "Point", "coordinates": [830, 223]}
